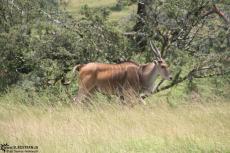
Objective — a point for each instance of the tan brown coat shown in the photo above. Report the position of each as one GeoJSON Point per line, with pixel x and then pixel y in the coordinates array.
{"type": "Point", "coordinates": [117, 78]}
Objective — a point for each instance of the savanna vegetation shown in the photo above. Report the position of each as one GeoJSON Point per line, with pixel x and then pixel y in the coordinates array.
{"type": "Point", "coordinates": [41, 41]}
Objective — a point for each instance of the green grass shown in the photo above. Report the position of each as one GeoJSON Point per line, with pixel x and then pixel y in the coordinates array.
{"type": "Point", "coordinates": [75, 5]}
{"type": "Point", "coordinates": [112, 128]}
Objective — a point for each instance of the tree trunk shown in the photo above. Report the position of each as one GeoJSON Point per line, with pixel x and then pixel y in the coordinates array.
{"type": "Point", "coordinates": [141, 15]}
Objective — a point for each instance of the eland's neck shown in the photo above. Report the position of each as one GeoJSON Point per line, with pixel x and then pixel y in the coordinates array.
{"type": "Point", "coordinates": [153, 74]}
{"type": "Point", "coordinates": [149, 77]}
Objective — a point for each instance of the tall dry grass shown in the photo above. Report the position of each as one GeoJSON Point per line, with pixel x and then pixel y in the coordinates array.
{"type": "Point", "coordinates": [112, 128]}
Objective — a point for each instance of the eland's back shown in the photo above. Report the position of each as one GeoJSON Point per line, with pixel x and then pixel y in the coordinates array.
{"type": "Point", "coordinates": [108, 77]}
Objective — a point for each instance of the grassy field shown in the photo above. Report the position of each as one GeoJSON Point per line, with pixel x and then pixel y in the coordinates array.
{"type": "Point", "coordinates": [172, 122]}
{"type": "Point", "coordinates": [111, 128]}
{"type": "Point", "coordinates": [74, 7]}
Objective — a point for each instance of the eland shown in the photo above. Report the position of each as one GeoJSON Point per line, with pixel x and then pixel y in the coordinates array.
{"type": "Point", "coordinates": [119, 78]}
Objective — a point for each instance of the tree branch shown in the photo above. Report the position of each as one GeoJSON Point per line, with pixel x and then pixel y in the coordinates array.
{"type": "Point", "coordinates": [190, 75]}
{"type": "Point", "coordinates": [216, 10]}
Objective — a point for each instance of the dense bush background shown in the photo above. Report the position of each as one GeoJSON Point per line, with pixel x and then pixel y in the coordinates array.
{"type": "Point", "coordinates": [40, 41]}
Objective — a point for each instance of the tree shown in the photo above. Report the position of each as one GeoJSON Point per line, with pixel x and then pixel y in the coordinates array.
{"type": "Point", "coordinates": [194, 40]}
{"type": "Point", "coordinates": [40, 43]}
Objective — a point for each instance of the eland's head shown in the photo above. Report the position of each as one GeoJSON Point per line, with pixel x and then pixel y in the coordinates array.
{"type": "Point", "coordinates": [163, 69]}
{"type": "Point", "coordinates": [160, 63]}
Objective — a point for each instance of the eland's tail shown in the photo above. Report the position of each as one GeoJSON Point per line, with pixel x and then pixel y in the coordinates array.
{"type": "Point", "coordinates": [77, 68]}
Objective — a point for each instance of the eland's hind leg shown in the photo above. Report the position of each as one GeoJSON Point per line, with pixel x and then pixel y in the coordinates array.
{"type": "Point", "coordinates": [85, 90]}
{"type": "Point", "coordinates": [81, 95]}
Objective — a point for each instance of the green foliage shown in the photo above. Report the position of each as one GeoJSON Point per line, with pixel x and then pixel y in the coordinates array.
{"type": "Point", "coordinates": [41, 43]}
{"type": "Point", "coordinates": [48, 45]}
{"type": "Point", "coordinates": [194, 44]}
